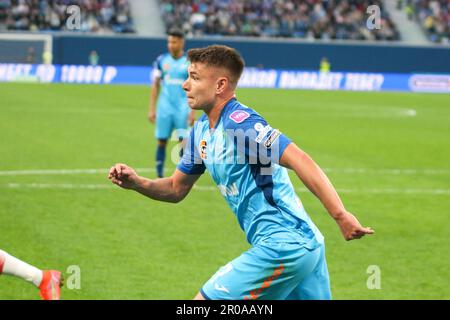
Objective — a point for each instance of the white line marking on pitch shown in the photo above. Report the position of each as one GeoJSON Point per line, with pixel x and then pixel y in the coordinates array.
{"type": "Point", "coordinates": [61, 172]}
{"type": "Point", "coordinates": [428, 171]}
{"type": "Point", "coordinates": [14, 185]}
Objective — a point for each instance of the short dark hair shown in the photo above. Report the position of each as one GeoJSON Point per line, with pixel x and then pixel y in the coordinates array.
{"type": "Point", "coordinates": [219, 56]}
{"type": "Point", "coordinates": [176, 32]}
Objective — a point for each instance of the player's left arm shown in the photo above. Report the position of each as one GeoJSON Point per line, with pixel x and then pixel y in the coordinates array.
{"type": "Point", "coordinates": [318, 183]}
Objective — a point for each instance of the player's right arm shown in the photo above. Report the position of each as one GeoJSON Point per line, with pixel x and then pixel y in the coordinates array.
{"type": "Point", "coordinates": [171, 189]}
{"type": "Point", "coordinates": [154, 93]}
{"type": "Point", "coordinates": [156, 86]}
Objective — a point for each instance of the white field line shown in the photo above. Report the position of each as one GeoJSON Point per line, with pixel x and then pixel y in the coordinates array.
{"type": "Point", "coordinates": [14, 185]}
{"type": "Point", "coordinates": [429, 171]}
{"type": "Point", "coordinates": [367, 191]}
{"type": "Point", "coordinates": [43, 172]}
{"type": "Point", "coordinates": [426, 171]}
{"type": "Point", "coordinates": [355, 111]}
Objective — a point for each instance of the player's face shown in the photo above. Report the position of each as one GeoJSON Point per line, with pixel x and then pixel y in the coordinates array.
{"type": "Point", "coordinates": [200, 86]}
{"type": "Point", "coordinates": [175, 45]}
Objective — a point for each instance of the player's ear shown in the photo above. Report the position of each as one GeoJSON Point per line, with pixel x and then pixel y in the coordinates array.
{"type": "Point", "coordinates": [221, 84]}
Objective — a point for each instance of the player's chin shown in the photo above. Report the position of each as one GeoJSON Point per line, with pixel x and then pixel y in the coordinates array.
{"type": "Point", "coordinates": [192, 104]}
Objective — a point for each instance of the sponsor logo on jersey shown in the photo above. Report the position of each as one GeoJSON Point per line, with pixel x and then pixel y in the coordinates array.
{"type": "Point", "coordinates": [239, 116]}
{"type": "Point", "coordinates": [172, 81]}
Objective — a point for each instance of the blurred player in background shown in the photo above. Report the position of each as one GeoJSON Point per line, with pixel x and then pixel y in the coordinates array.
{"type": "Point", "coordinates": [48, 282]}
{"type": "Point", "coordinates": [287, 257]}
{"type": "Point", "coordinates": [168, 103]}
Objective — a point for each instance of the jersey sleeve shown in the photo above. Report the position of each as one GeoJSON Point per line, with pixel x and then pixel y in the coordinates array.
{"type": "Point", "coordinates": [157, 68]}
{"type": "Point", "coordinates": [191, 162]}
{"type": "Point", "coordinates": [263, 143]}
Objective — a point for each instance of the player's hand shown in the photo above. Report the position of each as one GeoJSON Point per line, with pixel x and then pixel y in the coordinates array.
{"type": "Point", "coordinates": [350, 227]}
{"type": "Point", "coordinates": [152, 116]}
{"type": "Point", "coordinates": [123, 176]}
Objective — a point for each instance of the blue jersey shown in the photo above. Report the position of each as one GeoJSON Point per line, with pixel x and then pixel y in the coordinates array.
{"type": "Point", "coordinates": [172, 72]}
{"type": "Point", "coordinates": [242, 154]}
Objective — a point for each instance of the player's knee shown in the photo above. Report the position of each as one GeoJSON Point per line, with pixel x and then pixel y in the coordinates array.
{"type": "Point", "coordinates": [162, 142]}
{"type": "Point", "coordinates": [199, 297]}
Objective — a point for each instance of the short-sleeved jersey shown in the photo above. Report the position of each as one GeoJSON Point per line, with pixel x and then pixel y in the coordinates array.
{"type": "Point", "coordinates": [242, 156]}
{"type": "Point", "coordinates": [172, 73]}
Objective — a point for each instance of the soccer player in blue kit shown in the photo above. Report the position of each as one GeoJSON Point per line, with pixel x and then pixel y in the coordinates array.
{"type": "Point", "coordinates": [168, 103]}
{"type": "Point", "coordinates": [248, 160]}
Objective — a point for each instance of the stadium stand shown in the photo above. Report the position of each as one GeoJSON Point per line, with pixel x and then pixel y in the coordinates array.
{"type": "Point", "coordinates": [100, 16]}
{"type": "Point", "coordinates": [434, 16]}
{"type": "Point", "coordinates": [308, 19]}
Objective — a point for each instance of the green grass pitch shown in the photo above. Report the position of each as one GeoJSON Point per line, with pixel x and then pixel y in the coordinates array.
{"type": "Point", "coordinates": [386, 153]}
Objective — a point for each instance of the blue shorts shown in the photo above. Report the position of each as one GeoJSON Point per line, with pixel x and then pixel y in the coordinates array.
{"type": "Point", "coordinates": [276, 271]}
{"type": "Point", "coordinates": [167, 122]}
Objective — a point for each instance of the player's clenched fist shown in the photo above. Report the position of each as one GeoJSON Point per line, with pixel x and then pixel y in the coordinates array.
{"type": "Point", "coordinates": [123, 176]}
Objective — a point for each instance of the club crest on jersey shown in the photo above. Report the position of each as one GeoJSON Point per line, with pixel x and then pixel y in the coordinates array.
{"type": "Point", "coordinates": [203, 146]}
{"type": "Point", "coordinates": [166, 67]}
{"type": "Point", "coordinates": [239, 116]}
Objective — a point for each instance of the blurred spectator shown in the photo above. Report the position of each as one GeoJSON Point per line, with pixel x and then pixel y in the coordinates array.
{"type": "Point", "coordinates": [103, 16]}
{"type": "Point", "coordinates": [310, 19]}
{"type": "Point", "coordinates": [325, 65]}
{"type": "Point", "coordinates": [31, 56]}
{"type": "Point", "coordinates": [434, 16]}
{"type": "Point", "coordinates": [409, 11]}
{"type": "Point", "coordinates": [47, 57]}
{"type": "Point", "coordinates": [93, 58]}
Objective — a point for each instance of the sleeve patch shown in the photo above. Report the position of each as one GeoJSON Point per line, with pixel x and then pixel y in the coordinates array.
{"type": "Point", "coordinates": [267, 136]}
{"type": "Point", "coordinates": [263, 133]}
{"type": "Point", "coordinates": [239, 116]}
{"type": "Point", "coordinates": [156, 74]}
{"type": "Point", "coordinates": [272, 138]}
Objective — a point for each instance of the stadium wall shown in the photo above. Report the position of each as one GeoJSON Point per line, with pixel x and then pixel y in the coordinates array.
{"type": "Point", "coordinates": [279, 54]}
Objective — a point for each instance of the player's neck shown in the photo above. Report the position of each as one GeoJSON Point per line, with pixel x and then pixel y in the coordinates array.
{"type": "Point", "coordinates": [214, 113]}
{"type": "Point", "coordinates": [178, 55]}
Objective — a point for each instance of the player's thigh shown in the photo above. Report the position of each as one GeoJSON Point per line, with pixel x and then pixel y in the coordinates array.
{"type": "Point", "coordinates": [316, 285]}
{"type": "Point", "coordinates": [261, 273]}
{"type": "Point", "coordinates": [164, 126]}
